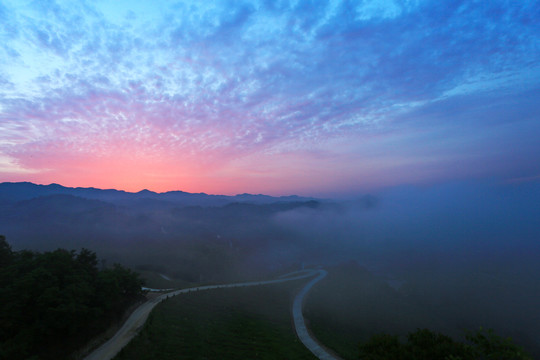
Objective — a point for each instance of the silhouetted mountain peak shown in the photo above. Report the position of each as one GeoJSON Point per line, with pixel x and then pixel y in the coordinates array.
{"type": "Point", "coordinates": [15, 192]}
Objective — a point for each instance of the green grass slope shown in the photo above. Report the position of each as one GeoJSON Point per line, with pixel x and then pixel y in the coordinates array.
{"type": "Point", "coordinates": [350, 305]}
{"type": "Point", "coordinates": [238, 323]}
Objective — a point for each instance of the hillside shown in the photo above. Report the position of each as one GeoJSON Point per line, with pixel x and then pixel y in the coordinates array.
{"type": "Point", "coordinates": [351, 305]}
{"type": "Point", "coordinates": [239, 323]}
{"type": "Point", "coordinates": [192, 237]}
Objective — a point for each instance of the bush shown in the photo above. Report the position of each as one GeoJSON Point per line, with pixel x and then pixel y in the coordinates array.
{"type": "Point", "coordinates": [425, 344]}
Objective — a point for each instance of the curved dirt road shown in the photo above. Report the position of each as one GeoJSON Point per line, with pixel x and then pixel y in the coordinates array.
{"type": "Point", "coordinates": [300, 324]}
{"type": "Point", "coordinates": [137, 319]}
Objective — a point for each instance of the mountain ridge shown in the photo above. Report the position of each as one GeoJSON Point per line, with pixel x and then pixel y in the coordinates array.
{"type": "Point", "coordinates": [19, 191]}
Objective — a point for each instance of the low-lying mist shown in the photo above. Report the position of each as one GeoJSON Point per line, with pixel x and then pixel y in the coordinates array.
{"type": "Point", "coordinates": [468, 252]}
{"type": "Point", "coordinates": [405, 227]}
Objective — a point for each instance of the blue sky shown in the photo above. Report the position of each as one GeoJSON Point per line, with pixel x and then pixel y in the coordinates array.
{"type": "Point", "coordinates": [308, 97]}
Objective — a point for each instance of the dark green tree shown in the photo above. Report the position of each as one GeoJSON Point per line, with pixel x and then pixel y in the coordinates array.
{"type": "Point", "coordinates": [5, 252]}
{"type": "Point", "coordinates": [425, 344]}
{"type": "Point", "coordinates": [53, 302]}
{"type": "Point", "coordinates": [488, 345]}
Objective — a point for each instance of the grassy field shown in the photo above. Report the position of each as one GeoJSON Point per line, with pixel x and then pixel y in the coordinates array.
{"type": "Point", "coordinates": [350, 305]}
{"type": "Point", "coordinates": [241, 323]}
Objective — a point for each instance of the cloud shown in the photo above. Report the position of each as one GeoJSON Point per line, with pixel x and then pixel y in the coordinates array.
{"type": "Point", "coordinates": [227, 80]}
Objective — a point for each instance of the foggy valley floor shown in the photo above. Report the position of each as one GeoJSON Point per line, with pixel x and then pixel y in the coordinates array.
{"type": "Point", "coordinates": [345, 309]}
{"type": "Point", "coordinates": [352, 304]}
{"type": "Point", "coordinates": [458, 256]}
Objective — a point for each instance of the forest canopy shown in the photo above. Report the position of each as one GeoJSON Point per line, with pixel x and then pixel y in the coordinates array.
{"type": "Point", "coordinates": [54, 302]}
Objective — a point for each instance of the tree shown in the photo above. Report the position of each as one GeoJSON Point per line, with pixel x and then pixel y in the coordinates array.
{"type": "Point", "coordinates": [425, 344]}
{"type": "Point", "coordinates": [488, 345]}
{"type": "Point", "coordinates": [53, 302]}
{"type": "Point", "coordinates": [5, 252]}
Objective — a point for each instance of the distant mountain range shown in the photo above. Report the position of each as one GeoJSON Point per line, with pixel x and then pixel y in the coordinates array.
{"type": "Point", "coordinates": [12, 192]}
{"type": "Point", "coordinates": [196, 236]}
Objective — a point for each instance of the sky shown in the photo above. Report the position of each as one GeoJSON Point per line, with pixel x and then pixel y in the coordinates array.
{"type": "Point", "coordinates": [278, 97]}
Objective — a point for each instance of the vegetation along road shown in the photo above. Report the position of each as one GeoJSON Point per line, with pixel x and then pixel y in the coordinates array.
{"type": "Point", "coordinates": [137, 319]}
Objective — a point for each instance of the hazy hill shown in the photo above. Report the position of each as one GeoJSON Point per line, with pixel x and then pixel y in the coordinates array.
{"type": "Point", "coordinates": [190, 236]}
{"type": "Point", "coordinates": [13, 192]}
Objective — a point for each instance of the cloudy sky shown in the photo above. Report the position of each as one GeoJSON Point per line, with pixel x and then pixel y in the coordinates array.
{"type": "Point", "coordinates": [278, 97]}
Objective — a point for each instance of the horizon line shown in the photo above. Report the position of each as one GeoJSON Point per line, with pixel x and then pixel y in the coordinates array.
{"type": "Point", "coordinates": [152, 191]}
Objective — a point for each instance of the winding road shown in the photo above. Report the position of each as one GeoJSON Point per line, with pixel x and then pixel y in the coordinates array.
{"type": "Point", "coordinates": [137, 319]}
{"type": "Point", "coordinates": [300, 324]}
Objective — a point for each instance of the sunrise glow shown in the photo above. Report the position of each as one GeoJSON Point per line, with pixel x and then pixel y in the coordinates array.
{"type": "Point", "coordinates": [311, 98]}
